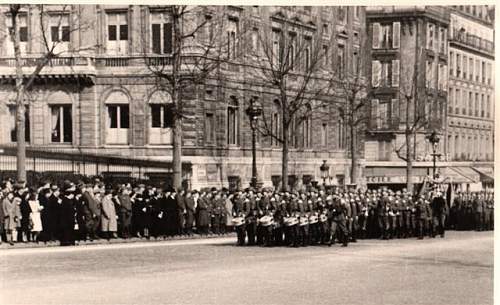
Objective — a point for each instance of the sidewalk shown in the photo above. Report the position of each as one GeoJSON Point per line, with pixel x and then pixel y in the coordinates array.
{"type": "Point", "coordinates": [29, 245]}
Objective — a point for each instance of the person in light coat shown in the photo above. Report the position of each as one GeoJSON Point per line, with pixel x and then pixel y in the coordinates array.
{"type": "Point", "coordinates": [11, 216]}
{"type": "Point", "coordinates": [35, 216]}
{"type": "Point", "coordinates": [109, 225]}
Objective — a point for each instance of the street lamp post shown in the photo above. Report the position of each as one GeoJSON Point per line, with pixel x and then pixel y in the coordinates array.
{"type": "Point", "coordinates": [434, 140]}
{"type": "Point", "coordinates": [324, 168]}
{"type": "Point", "coordinates": [253, 112]}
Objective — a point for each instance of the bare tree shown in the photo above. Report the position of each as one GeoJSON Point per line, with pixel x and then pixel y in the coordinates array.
{"type": "Point", "coordinates": [293, 63]}
{"type": "Point", "coordinates": [200, 43]}
{"type": "Point", "coordinates": [354, 111]}
{"type": "Point", "coordinates": [419, 111]}
{"type": "Point", "coordinates": [24, 81]}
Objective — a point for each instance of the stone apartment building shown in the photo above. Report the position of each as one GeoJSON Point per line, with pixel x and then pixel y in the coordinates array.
{"type": "Point", "coordinates": [411, 48]}
{"type": "Point", "coordinates": [99, 97]}
{"type": "Point", "coordinates": [470, 115]}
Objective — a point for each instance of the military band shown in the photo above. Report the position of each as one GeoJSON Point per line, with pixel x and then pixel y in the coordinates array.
{"type": "Point", "coordinates": [299, 219]}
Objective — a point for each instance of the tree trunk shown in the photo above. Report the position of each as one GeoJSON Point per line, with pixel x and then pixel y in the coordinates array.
{"type": "Point", "coordinates": [20, 108]}
{"type": "Point", "coordinates": [354, 156]}
{"type": "Point", "coordinates": [177, 153]}
{"type": "Point", "coordinates": [409, 163]}
{"type": "Point", "coordinates": [177, 100]}
{"type": "Point", "coordinates": [284, 161]}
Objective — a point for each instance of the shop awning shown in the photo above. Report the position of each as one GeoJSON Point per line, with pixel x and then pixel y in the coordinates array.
{"type": "Point", "coordinates": [486, 173]}
{"type": "Point", "coordinates": [468, 172]}
{"type": "Point", "coordinates": [451, 175]}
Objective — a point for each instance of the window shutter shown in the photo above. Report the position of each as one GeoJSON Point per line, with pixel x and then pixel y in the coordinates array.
{"type": "Point", "coordinates": [396, 26]}
{"type": "Point", "coordinates": [395, 73]}
{"type": "Point", "coordinates": [376, 73]}
{"type": "Point", "coordinates": [156, 38]}
{"type": "Point", "coordinates": [374, 114]}
{"type": "Point", "coordinates": [167, 38]}
{"type": "Point", "coordinates": [376, 36]}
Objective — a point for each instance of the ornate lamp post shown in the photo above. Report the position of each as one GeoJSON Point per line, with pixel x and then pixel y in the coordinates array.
{"type": "Point", "coordinates": [324, 168]}
{"type": "Point", "coordinates": [253, 111]}
{"type": "Point", "coordinates": [434, 140]}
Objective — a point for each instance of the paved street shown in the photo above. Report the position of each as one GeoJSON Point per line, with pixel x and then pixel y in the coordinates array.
{"type": "Point", "coordinates": [454, 270]}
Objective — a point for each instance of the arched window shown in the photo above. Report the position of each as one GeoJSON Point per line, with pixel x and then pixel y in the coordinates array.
{"type": "Point", "coordinates": [61, 123]}
{"type": "Point", "coordinates": [161, 119]}
{"type": "Point", "coordinates": [117, 118]}
{"type": "Point", "coordinates": [232, 121]}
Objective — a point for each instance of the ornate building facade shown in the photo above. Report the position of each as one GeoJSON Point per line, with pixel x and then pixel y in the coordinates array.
{"type": "Point", "coordinates": [98, 97]}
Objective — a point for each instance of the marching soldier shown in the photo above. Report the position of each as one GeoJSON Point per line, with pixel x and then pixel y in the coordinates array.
{"type": "Point", "coordinates": [338, 221]}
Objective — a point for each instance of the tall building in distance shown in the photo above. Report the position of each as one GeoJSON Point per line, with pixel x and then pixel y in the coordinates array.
{"type": "Point", "coordinates": [411, 49]}
{"type": "Point", "coordinates": [97, 106]}
{"type": "Point", "coordinates": [470, 124]}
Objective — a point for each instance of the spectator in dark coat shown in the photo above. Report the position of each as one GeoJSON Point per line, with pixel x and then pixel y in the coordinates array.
{"type": "Point", "coordinates": [171, 210]}
{"type": "Point", "coordinates": [24, 233]}
{"type": "Point", "coordinates": [181, 211]}
{"type": "Point", "coordinates": [68, 215]}
{"type": "Point", "coordinates": [203, 214]}
{"type": "Point", "coordinates": [190, 211]}
{"type": "Point", "coordinates": [125, 212]}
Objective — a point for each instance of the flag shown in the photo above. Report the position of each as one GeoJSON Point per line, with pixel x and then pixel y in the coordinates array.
{"type": "Point", "coordinates": [450, 194]}
{"type": "Point", "coordinates": [423, 188]}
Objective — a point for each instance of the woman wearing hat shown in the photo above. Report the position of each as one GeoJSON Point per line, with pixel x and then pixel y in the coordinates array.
{"type": "Point", "coordinates": [109, 225]}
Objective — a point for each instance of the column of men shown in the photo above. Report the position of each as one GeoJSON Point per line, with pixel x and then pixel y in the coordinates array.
{"type": "Point", "coordinates": [313, 218]}
{"type": "Point", "coordinates": [472, 211]}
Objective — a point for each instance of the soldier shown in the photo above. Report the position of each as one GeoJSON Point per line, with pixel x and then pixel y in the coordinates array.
{"type": "Point", "coordinates": [383, 207]}
{"type": "Point", "coordinates": [303, 228]}
{"type": "Point", "coordinates": [279, 214]}
{"type": "Point", "coordinates": [477, 207]}
{"type": "Point", "coordinates": [422, 214]}
{"type": "Point", "coordinates": [338, 221]}
{"type": "Point", "coordinates": [251, 219]}
{"type": "Point", "coordinates": [439, 210]}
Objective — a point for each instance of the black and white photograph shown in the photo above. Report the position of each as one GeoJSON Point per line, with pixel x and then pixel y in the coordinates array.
{"type": "Point", "coordinates": [218, 154]}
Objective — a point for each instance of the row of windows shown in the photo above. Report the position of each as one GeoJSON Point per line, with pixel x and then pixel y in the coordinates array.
{"type": "Point", "coordinates": [470, 68]}
{"type": "Point", "coordinates": [480, 11]}
{"type": "Point", "coordinates": [464, 102]}
{"type": "Point", "coordinates": [468, 147]}
{"type": "Point", "coordinates": [117, 125]}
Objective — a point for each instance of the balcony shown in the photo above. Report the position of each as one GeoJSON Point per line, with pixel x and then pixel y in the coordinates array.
{"type": "Point", "coordinates": [473, 41]}
{"type": "Point", "coordinates": [60, 68]}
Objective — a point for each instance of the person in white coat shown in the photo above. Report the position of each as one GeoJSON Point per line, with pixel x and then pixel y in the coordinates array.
{"type": "Point", "coordinates": [109, 225]}
{"type": "Point", "coordinates": [35, 216]}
